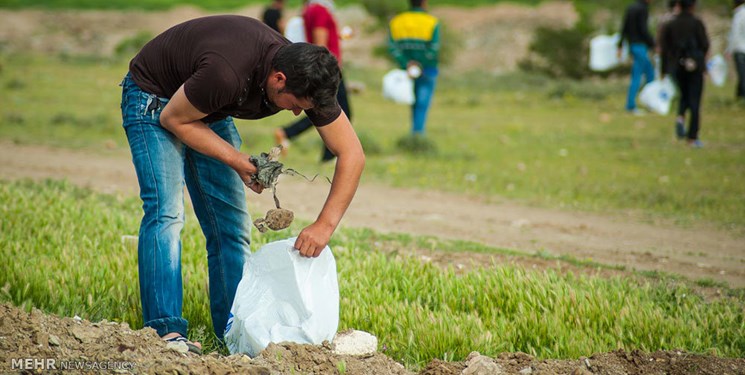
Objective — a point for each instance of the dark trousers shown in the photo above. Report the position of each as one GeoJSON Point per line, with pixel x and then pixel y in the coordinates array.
{"type": "Point", "coordinates": [739, 58]}
{"type": "Point", "coordinates": [298, 127]}
{"type": "Point", "coordinates": [691, 85]}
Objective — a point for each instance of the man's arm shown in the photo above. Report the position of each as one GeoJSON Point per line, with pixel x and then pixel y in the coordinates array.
{"type": "Point", "coordinates": [624, 30]}
{"type": "Point", "coordinates": [320, 36]}
{"type": "Point", "coordinates": [340, 138]}
{"type": "Point", "coordinates": [182, 119]}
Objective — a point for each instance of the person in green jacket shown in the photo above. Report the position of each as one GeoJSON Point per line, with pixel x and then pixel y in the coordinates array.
{"type": "Point", "coordinates": [414, 43]}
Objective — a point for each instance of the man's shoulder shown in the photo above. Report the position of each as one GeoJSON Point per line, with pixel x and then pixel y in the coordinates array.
{"type": "Point", "coordinates": [636, 7]}
{"type": "Point", "coordinates": [417, 16]}
{"type": "Point", "coordinates": [314, 10]}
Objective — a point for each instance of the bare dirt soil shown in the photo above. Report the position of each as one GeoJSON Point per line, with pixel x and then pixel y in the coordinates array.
{"type": "Point", "coordinates": [69, 345]}
{"type": "Point", "coordinates": [503, 30]}
{"type": "Point", "coordinates": [492, 38]}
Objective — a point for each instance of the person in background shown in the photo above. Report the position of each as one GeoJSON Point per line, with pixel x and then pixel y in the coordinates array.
{"type": "Point", "coordinates": [686, 43]}
{"type": "Point", "coordinates": [272, 16]}
{"type": "Point", "coordinates": [320, 29]}
{"type": "Point", "coordinates": [414, 43]}
{"type": "Point", "coordinates": [635, 31]}
{"type": "Point", "coordinates": [673, 9]}
{"type": "Point", "coordinates": [179, 98]}
{"type": "Point", "coordinates": [736, 47]}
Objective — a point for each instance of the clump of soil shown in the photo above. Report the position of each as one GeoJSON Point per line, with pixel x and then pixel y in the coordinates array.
{"type": "Point", "coordinates": [46, 337]}
{"type": "Point", "coordinates": [276, 219]}
{"type": "Point", "coordinates": [268, 170]}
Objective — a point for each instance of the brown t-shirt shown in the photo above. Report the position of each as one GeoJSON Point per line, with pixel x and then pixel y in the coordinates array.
{"type": "Point", "coordinates": [222, 61]}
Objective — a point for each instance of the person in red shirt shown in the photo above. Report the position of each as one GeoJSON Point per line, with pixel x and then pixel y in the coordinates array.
{"type": "Point", "coordinates": [320, 29]}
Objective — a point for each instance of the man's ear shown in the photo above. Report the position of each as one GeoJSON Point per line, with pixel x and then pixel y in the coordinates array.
{"type": "Point", "coordinates": [279, 78]}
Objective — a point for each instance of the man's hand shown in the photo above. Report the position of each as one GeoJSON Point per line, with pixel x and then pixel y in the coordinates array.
{"type": "Point", "coordinates": [247, 171]}
{"type": "Point", "coordinates": [313, 239]}
{"type": "Point", "coordinates": [181, 118]}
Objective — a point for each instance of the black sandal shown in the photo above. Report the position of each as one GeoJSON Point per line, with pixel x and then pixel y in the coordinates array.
{"type": "Point", "coordinates": [192, 347]}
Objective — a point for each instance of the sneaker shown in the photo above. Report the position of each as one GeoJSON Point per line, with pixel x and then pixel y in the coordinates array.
{"type": "Point", "coordinates": [280, 138]}
{"type": "Point", "coordinates": [695, 143]}
{"type": "Point", "coordinates": [680, 129]}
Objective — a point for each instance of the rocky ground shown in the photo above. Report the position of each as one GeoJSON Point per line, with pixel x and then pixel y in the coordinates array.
{"type": "Point", "coordinates": [30, 342]}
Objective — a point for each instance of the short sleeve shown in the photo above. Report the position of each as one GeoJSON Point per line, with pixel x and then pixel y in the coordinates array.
{"type": "Point", "coordinates": [318, 16]}
{"type": "Point", "coordinates": [323, 118]}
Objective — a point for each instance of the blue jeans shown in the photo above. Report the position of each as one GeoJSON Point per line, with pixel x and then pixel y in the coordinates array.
{"type": "Point", "coordinates": [641, 66]}
{"type": "Point", "coordinates": [164, 165]}
{"type": "Point", "coordinates": [739, 58]}
{"type": "Point", "coordinates": [424, 89]}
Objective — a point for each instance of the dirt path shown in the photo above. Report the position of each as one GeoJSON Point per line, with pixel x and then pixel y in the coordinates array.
{"type": "Point", "coordinates": [695, 252]}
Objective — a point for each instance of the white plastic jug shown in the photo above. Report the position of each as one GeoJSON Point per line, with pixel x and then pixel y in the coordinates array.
{"type": "Point", "coordinates": [284, 297]}
{"type": "Point", "coordinates": [398, 87]}
{"type": "Point", "coordinates": [658, 95]}
{"type": "Point", "coordinates": [717, 68]}
{"type": "Point", "coordinates": [604, 52]}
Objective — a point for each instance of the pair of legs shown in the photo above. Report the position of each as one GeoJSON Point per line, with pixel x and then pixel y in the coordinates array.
{"type": "Point", "coordinates": [298, 127]}
{"type": "Point", "coordinates": [641, 66]}
{"type": "Point", "coordinates": [739, 58]}
{"type": "Point", "coordinates": [691, 86]}
{"type": "Point", "coordinates": [424, 89]}
{"type": "Point", "coordinates": [164, 165]}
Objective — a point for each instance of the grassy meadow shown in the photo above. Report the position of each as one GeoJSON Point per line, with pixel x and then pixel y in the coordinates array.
{"type": "Point", "coordinates": [557, 144]}
{"type": "Point", "coordinates": [549, 143]}
{"type": "Point", "coordinates": [68, 257]}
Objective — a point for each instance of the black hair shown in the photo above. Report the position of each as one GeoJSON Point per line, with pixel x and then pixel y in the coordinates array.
{"type": "Point", "coordinates": [687, 4]}
{"type": "Point", "coordinates": [672, 3]}
{"type": "Point", "coordinates": [737, 3]}
{"type": "Point", "coordinates": [416, 3]}
{"type": "Point", "coordinates": [312, 72]}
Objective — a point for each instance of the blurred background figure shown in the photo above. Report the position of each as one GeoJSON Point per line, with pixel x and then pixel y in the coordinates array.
{"type": "Point", "coordinates": [686, 42]}
{"type": "Point", "coordinates": [737, 46]}
{"type": "Point", "coordinates": [320, 29]}
{"type": "Point", "coordinates": [295, 28]}
{"type": "Point", "coordinates": [673, 9]}
{"type": "Point", "coordinates": [635, 31]}
{"type": "Point", "coordinates": [272, 16]}
{"type": "Point", "coordinates": [414, 43]}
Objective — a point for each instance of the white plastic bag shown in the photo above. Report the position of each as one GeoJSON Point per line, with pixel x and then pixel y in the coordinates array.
{"type": "Point", "coordinates": [604, 52]}
{"type": "Point", "coordinates": [717, 68]}
{"type": "Point", "coordinates": [398, 86]}
{"type": "Point", "coordinates": [658, 95]}
{"type": "Point", "coordinates": [284, 297]}
{"type": "Point", "coordinates": [295, 30]}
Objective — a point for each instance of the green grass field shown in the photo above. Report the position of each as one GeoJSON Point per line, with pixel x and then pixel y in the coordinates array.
{"type": "Point", "coordinates": [546, 143]}
{"type": "Point", "coordinates": [66, 256]}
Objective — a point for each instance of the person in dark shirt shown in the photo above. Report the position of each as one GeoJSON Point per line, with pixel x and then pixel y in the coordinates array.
{"type": "Point", "coordinates": [272, 16]}
{"type": "Point", "coordinates": [179, 99]}
{"type": "Point", "coordinates": [736, 47]}
{"type": "Point", "coordinates": [686, 43]}
{"type": "Point", "coordinates": [635, 31]}
{"type": "Point", "coordinates": [673, 7]}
